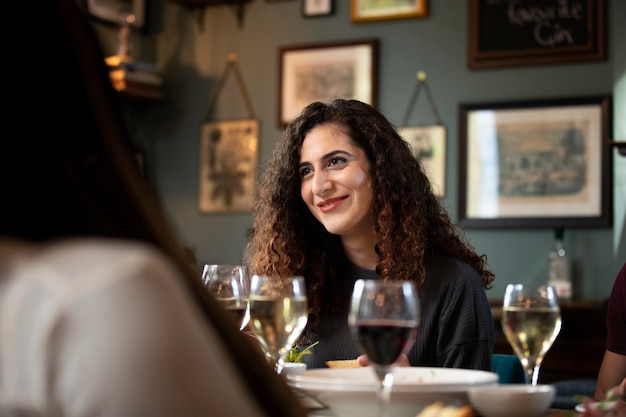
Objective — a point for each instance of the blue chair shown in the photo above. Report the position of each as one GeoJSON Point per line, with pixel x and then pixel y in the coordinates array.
{"type": "Point", "coordinates": [509, 369]}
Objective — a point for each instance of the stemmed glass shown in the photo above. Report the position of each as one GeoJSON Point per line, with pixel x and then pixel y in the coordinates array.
{"type": "Point", "coordinates": [531, 321]}
{"type": "Point", "coordinates": [278, 314]}
{"type": "Point", "coordinates": [229, 284]}
{"type": "Point", "coordinates": [384, 318]}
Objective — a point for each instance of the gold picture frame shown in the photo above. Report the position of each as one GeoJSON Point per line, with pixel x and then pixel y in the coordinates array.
{"type": "Point", "coordinates": [376, 10]}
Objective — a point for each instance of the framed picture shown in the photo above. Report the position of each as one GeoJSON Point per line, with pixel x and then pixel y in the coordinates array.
{"type": "Point", "coordinates": [542, 163]}
{"type": "Point", "coordinates": [317, 8]}
{"type": "Point", "coordinates": [228, 166]}
{"type": "Point", "coordinates": [117, 11]}
{"type": "Point", "coordinates": [373, 10]}
{"type": "Point", "coordinates": [428, 144]}
{"type": "Point", "coordinates": [534, 32]}
{"type": "Point", "coordinates": [322, 72]}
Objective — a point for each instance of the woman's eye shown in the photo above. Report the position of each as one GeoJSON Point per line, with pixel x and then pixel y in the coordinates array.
{"type": "Point", "coordinates": [304, 172]}
{"type": "Point", "coordinates": [336, 161]}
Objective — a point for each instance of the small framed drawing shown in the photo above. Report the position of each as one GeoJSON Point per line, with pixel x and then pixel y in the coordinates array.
{"type": "Point", "coordinates": [228, 166]}
{"type": "Point", "coordinates": [322, 72]}
{"type": "Point", "coordinates": [117, 11]}
{"type": "Point", "coordinates": [428, 144]}
{"type": "Point", "coordinates": [373, 10]}
{"type": "Point", "coordinates": [542, 163]}
{"type": "Point", "coordinates": [317, 8]}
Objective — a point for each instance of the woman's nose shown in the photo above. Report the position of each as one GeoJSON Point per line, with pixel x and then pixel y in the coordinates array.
{"type": "Point", "coordinates": [321, 183]}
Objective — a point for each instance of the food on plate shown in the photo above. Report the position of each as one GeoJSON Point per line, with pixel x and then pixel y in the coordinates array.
{"type": "Point", "coordinates": [350, 363]}
{"type": "Point", "coordinates": [438, 409]}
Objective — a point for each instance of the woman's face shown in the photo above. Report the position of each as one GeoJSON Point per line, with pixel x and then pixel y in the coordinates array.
{"type": "Point", "coordinates": [335, 181]}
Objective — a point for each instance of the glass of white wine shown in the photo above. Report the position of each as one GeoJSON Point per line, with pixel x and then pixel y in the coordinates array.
{"type": "Point", "coordinates": [531, 321]}
{"type": "Point", "coordinates": [278, 314]}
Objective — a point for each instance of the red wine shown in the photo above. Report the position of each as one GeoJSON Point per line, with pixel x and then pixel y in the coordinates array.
{"type": "Point", "coordinates": [384, 340]}
{"type": "Point", "coordinates": [239, 314]}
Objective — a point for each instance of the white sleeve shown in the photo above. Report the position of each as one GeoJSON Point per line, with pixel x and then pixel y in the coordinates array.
{"type": "Point", "coordinates": [137, 345]}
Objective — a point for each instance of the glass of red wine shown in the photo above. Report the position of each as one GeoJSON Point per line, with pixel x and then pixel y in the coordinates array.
{"type": "Point", "coordinates": [384, 318]}
{"type": "Point", "coordinates": [230, 285]}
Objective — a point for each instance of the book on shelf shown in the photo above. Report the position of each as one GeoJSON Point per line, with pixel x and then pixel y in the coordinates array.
{"type": "Point", "coordinates": [131, 64]}
{"type": "Point", "coordinates": [136, 75]}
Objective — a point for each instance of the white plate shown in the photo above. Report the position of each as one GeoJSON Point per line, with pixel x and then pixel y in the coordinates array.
{"type": "Point", "coordinates": [606, 405]}
{"type": "Point", "coordinates": [352, 392]}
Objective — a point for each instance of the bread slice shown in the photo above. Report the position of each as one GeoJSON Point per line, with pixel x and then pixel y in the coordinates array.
{"type": "Point", "coordinates": [437, 409]}
{"type": "Point", "coordinates": [350, 363]}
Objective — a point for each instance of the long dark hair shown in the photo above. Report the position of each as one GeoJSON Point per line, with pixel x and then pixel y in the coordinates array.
{"type": "Point", "coordinates": [411, 224]}
{"type": "Point", "coordinates": [71, 171]}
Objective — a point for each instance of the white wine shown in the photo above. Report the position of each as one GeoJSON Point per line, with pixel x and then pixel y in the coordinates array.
{"type": "Point", "coordinates": [531, 332]}
{"type": "Point", "coordinates": [278, 321]}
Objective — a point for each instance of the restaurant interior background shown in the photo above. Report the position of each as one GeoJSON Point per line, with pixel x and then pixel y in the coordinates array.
{"type": "Point", "coordinates": [192, 49]}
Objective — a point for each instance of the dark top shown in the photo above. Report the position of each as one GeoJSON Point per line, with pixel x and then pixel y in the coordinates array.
{"type": "Point", "coordinates": [456, 329]}
{"type": "Point", "coordinates": [616, 315]}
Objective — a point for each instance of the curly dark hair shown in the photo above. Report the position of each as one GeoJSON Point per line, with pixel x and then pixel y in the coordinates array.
{"type": "Point", "coordinates": [410, 222]}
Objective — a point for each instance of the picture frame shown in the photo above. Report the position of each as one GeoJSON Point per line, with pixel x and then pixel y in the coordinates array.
{"type": "Point", "coordinates": [507, 34]}
{"type": "Point", "coordinates": [317, 8]}
{"type": "Point", "coordinates": [117, 11]}
{"type": "Point", "coordinates": [228, 166]}
{"type": "Point", "coordinates": [325, 71]}
{"type": "Point", "coordinates": [428, 145]}
{"type": "Point", "coordinates": [376, 10]}
{"type": "Point", "coordinates": [536, 163]}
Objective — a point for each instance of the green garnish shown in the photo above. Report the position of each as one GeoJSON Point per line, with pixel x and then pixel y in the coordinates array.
{"type": "Point", "coordinates": [296, 355]}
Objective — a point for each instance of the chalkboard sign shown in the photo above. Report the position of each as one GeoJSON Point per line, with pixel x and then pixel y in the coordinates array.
{"type": "Point", "coordinates": [504, 33]}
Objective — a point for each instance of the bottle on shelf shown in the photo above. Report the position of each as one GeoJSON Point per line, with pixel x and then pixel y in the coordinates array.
{"type": "Point", "coordinates": [560, 266]}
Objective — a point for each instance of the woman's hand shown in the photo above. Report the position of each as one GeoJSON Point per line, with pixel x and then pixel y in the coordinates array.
{"type": "Point", "coordinates": [403, 360]}
{"type": "Point", "coordinates": [618, 392]}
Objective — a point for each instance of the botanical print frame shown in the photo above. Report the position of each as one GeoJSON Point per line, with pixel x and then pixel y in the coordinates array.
{"type": "Point", "coordinates": [535, 32]}
{"type": "Point", "coordinates": [321, 72]}
{"type": "Point", "coordinates": [228, 166]}
{"type": "Point", "coordinates": [116, 11]}
{"type": "Point", "coordinates": [541, 163]}
{"type": "Point", "coordinates": [428, 145]}
{"type": "Point", "coordinates": [375, 10]}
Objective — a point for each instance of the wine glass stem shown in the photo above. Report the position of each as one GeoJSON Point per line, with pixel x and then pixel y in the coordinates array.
{"type": "Point", "coordinates": [384, 392]}
{"type": "Point", "coordinates": [532, 372]}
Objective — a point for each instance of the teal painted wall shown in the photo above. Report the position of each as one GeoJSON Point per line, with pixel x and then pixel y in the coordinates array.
{"type": "Point", "coordinates": [193, 59]}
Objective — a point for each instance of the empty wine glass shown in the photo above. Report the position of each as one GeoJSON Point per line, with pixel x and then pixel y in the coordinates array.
{"type": "Point", "coordinates": [384, 318]}
{"type": "Point", "coordinates": [229, 284]}
{"type": "Point", "coordinates": [531, 321]}
{"type": "Point", "coordinates": [278, 314]}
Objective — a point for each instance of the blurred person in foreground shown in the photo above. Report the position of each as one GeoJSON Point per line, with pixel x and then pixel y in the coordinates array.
{"type": "Point", "coordinates": [101, 312]}
{"type": "Point", "coordinates": [343, 198]}
{"type": "Point", "coordinates": [611, 381]}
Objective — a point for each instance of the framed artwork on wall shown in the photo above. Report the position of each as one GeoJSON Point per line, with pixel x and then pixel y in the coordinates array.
{"type": "Point", "coordinates": [322, 72]}
{"type": "Point", "coordinates": [543, 163]}
{"type": "Point", "coordinates": [228, 165]}
{"type": "Point", "coordinates": [317, 8]}
{"type": "Point", "coordinates": [375, 10]}
{"type": "Point", "coordinates": [117, 11]}
{"type": "Point", "coordinates": [428, 144]}
{"type": "Point", "coordinates": [534, 32]}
